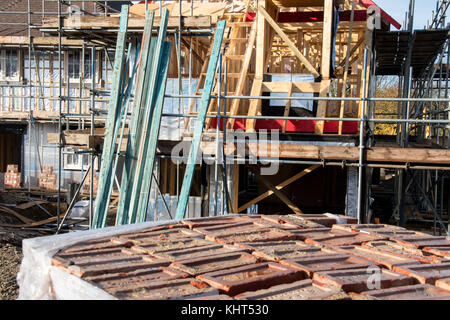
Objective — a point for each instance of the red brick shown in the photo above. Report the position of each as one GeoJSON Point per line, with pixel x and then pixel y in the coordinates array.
{"type": "Point", "coordinates": [160, 235]}
{"type": "Point", "coordinates": [443, 284]}
{"type": "Point", "coordinates": [415, 292]}
{"type": "Point", "coordinates": [344, 239]}
{"type": "Point", "coordinates": [97, 244]}
{"type": "Point", "coordinates": [300, 222]}
{"type": "Point", "coordinates": [319, 218]}
{"type": "Point", "coordinates": [358, 280]}
{"type": "Point", "coordinates": [12, 168]}
{"type": "Point", "coordinates": [349, 220]}
{"type": "Point", "coordinates": [384, 258]}
{"type": "Point", "coordinates": [401, 250]}
{"type": "Point", "coordinates": [280, 250]}
{"type": "Point", "coordinates": [225, 228]}
{"type": "Point", "coordinates": [213, 221]}
{"type": "Point", "coordinates": [213, 263]}
{"type": "Point", "coordinates": [421, 240]}
{"type": "Point", "coordinates": [167, 245]}
{"type": "Point", "coordinates": [86, 257]}
{"type": "Point", "coordinates": [369, 228]}
{"type": "Point", "coordinates": [213, 297]}
{"type": "Point", "coordinates": [251, 277]}
{"type": "Point", "coordinates": [426, 273]}
{"type": "Point", "coordinates": [253, 235]}
{"type": "Point", "coordinates": [310, 233]}
{"type": "Point", "coordinates": [131, 263]}
{"type": "Point", "coordinates": [135, 279]}
{"type": "Point", "coordinates": [438, 251]}
{"type": "Point", "coordinates": [277, 221]}
{"type": "Point", "coordinates": [310, 265]}
{"type": "Point", "coordinates": [300, 290]}
{"type": "Point", "coordinates": [197, 252]}
{"type": "Point", "coordinates": [167, 290]}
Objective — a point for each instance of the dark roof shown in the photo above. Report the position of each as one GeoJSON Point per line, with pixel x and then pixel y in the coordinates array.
{"type": "Point", "coordinates": [20, 16]}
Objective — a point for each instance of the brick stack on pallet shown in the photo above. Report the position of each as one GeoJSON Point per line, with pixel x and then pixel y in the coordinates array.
{"type": "Point", "coordinates": [87, 183]}
{"type": "Point", "coordinates": [285, 257]}
{"type": "Point", "coordinates": [12, 177]}
{"type": "Point", "coordinates": [47, 179]}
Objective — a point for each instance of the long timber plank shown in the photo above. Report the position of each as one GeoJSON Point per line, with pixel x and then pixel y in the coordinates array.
{"type": "Point", "coordinates": [113, 120]}
{"type": "Point", "coordinates": [203, 109]}
{"type": "Point", "coordinates": [319, 152]}
{"type": "Point", "coordinates": [129, 164]}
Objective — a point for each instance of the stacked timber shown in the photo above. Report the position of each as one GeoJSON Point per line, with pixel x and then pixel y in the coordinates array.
{"type": "Point", "coordinates": [12, 177]}
{"type": "Point", "coordinates": [47, 179]}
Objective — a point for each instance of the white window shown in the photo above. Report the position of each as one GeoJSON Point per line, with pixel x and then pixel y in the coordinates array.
{"type": "Point", "coordinates": [76, 63]}
{"type": "Point", "coordinates": [9, 64]}
{"type": "Point", "coordinates": [74, 161]}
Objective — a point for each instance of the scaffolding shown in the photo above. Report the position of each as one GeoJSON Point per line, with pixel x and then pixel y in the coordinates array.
{"type": "Point", "coordinates": [423, 111]}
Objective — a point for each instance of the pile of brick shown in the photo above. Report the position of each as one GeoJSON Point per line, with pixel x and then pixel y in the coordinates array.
{"type": "Point", "coordinates": [12, 177]}
{"type": "Point", "coordinates": [282, 257]}
{"type": "Point", "coordinates": [47, 179]}
{"type": "Point", "coordinates": [87, 183]}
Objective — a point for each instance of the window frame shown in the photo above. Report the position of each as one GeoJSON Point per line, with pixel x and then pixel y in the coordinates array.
{"type": "Point", "coordinates": [77, 167]}
{"type": "Point", "coordinates": [81, 70]}
{"type": "Point", "coordinates": [19, 73]}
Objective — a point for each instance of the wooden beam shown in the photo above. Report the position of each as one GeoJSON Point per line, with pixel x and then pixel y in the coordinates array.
{"type": "Point", "coordinates": [303, 87]}
{"type": "Point", "coordinates": [322, 106]}
{"type": "Point", "coordinates": [278, 187]}
{"type": "Point", "coordinates": [113, 121]}
{"type": "Point", "coordinates": [149, 104]}
{"type": "Point", "coordinates": [194, 53]}
{"type": "Point", "coordinates": [326, 63]}
{"type": "Point", "coordinates": [235, 187]}
{"type": "Point", "coordinates": [150, 157]}
{"type": "Point", "coordinates": [243, 76]}
{"type": "Point", "coordinates": [279, 194]}
{"type": "Point", "coordinates": [255, 105]}
{"type": "Point", "coordinates": [290, 44]}
{"type": "Point", "coordinates": [135, 22]}
{"type": "Point", "coordinates": [203, 109]}
{"type": "Point", "coordinates": [322, 152]}
{"type": "Point", "coordinates": [287, 109]}
{"type": "Point", "coordinates": [129, 165]}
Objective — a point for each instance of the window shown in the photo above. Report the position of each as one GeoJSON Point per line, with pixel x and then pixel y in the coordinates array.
{"type": "Point", "coordinates": [9, 64]}
{"type": "Point", "coordinates": [74, 161]}
{"type": "Point", "coordinates": [74, 63]}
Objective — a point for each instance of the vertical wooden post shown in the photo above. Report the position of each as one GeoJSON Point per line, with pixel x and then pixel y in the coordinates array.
{"type": "Point", "coordinates": [326, 63]}
{"type": "Point", "coordinates": [203, 109]}
{"type": "Point", "coordinates": [255, 104]}
{"type": "Point", "coordinates": [235, 187]}
{"type": "Point", "coordinates": [105, 178]}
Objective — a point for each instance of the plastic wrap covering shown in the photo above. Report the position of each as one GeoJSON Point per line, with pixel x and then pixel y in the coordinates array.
{"type": "Point", "coordinates": [38, 280]}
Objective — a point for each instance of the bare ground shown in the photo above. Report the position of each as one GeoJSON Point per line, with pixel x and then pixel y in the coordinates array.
{"type": "Point", "coordinates": [10, 259]}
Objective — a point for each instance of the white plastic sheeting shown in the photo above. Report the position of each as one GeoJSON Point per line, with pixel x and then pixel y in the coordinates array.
{"type": "Point", "coordinates": [38, 279]}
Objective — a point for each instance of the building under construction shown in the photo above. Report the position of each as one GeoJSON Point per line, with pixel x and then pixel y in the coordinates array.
{"type": "Point", "coordinates": [299, 116]}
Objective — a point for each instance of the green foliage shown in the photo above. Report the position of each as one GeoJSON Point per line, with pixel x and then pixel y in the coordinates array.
{"type": "Point", "coordinates": [387, 87]}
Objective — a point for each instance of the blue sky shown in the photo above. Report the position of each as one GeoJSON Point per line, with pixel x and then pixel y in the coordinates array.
{"type": "Point", "coordinates": [398, 8]}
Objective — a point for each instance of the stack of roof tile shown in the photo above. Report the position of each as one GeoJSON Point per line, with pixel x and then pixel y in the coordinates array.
{"type": "Point", "coordinates": [264, 257]}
